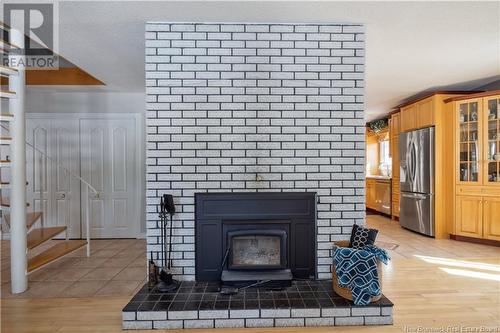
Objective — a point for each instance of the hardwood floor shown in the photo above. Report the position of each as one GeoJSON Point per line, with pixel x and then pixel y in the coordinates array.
{"type": "Point", "coordinates": [433, 284]}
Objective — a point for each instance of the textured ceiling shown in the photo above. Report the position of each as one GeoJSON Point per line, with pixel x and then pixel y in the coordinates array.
{"type": "Point", "coordinates": [410, 46]}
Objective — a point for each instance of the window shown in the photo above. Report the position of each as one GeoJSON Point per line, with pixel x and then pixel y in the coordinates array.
{"type": "Point", "coordinates": [385, 164]}
{"type": "Point", "coordinates": [384, 152]}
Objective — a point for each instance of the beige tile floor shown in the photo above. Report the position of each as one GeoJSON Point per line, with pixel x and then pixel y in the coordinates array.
{"type": "Point", "coordinates": [116, 267]}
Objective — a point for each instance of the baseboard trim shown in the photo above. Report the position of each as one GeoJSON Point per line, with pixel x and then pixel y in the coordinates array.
{"type": "Point", "coordinates": [475, 240]}
{"type": "Point", "coordinates": [371, 210]}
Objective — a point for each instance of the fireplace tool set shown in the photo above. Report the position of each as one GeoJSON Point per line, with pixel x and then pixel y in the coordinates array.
{"type": "Point", "coordinates": [162, 278]}
{"type": "Point", "coordinates": [166, 283]}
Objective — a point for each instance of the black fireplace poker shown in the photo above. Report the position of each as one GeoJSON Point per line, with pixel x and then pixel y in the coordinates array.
{"type": "Point", "coordinates": [167, 209]}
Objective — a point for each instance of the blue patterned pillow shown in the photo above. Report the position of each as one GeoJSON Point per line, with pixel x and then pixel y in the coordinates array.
{"type": "Point", "coordinates": [361, 236]}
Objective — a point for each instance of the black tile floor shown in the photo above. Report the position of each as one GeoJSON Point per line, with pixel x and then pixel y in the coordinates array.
{"type": "Point", "coordinates": [193, 296]}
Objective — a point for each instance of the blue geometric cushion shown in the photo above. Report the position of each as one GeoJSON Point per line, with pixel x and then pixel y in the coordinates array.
{"type": "Point", "coordinates": [361, 237]}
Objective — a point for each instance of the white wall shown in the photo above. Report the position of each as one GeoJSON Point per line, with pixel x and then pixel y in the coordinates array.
{"type": "Point", "coordinates": [42, 100]}
{"type": "Point", "coordinates": [45, 100]}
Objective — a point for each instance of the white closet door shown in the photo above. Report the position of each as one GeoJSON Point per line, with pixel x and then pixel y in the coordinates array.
{"type": "Point", "coordinates": [51, 189]}
{"type": "Point", "coordinates": [108, 150]}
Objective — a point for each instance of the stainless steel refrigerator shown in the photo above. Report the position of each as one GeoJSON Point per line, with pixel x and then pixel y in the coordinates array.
{"type": "Point", "coordinates": [416, 160]}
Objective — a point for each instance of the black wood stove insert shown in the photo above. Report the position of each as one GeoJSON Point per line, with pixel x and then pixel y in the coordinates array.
{"type": "Point", "coordinates": [244, 237]}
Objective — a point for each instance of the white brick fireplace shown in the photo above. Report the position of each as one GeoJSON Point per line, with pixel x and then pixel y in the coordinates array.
{"type": "Point", "coordinates": [251, 108]}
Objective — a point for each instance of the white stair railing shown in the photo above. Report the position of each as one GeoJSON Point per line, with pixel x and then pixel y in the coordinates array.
{"type": "Point", "coordinates": [88, 188]}
{"type": "Point", "coordinates": [17, 118]}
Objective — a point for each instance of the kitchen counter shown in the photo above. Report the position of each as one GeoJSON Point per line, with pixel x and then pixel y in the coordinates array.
{"type": "Point", "coordinates": [378, 177]}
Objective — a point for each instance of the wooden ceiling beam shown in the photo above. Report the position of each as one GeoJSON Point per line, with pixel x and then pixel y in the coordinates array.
{"type": "Point", "coordinates": [63, 76]}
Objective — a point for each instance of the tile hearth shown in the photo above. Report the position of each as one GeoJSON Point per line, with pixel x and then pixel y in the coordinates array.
{"type": "Point", "coordinates": [200, 305]}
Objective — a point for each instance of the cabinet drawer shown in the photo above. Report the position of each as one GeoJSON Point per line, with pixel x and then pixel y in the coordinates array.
{"type": "Point", "coordinates": [477, 190]}
{"type": "Point", "coordinates": [469, 190]}
{"type": "Point", "coordinates": [491, 192]}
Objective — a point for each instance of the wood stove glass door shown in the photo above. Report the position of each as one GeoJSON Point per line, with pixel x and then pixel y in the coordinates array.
{"type": "Point", "coordinates": [256, 251]}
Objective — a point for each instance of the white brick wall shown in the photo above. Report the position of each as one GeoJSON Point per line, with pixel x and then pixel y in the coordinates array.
{"type": "Point", "coordinates": [226, 102]}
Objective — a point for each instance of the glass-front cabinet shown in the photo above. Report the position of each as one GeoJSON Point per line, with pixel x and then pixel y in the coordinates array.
{"type": "Point", "coordinates": [492, 153]}
{"type": "Point", "coordinates": [469, 132]}
{"type": "Point", "coordinates": [478, 141]}
{"type": "Point", "coordinates": [477, 164]}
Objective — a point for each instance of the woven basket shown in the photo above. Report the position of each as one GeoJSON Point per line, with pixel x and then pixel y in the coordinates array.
{"type": "Point", "coordinates": [344, 291]}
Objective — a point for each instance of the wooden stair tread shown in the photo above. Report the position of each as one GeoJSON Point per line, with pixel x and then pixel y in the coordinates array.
{"type": "Point", "coordinates": [40, 235]}
{"type": "Point", "coordinates": [7, 46]}
{"type": "Point", "coordinates": [7, 184]}
{"type": "Point", "coordinates": [31, 218]}
{"type": "Point", "coordinates": [8, 70]}
{"type": "Point", "coordinates": [4, 26]}
{"type": "Point", "coordinates": [7, 94]}
{"type": "Point", "coordinates": [6, 115]}
{"type": "Point", "coordinates": [55, 252]}
{"type": "Point", "coordinates": [5, 202]}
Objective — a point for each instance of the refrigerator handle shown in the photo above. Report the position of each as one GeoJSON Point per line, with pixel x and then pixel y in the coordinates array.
{"type": "Point", "coordinates": [412, 155]}
{"type": "Point", "coordinates": [414, 196]}
{"type": "Point", "coordinates": [413, 158]}
{"type": "Point", "coordinates": [409, 164]}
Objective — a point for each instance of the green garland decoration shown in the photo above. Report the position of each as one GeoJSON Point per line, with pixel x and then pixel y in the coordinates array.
{"type": "Point", "coordinates": [378, 125]}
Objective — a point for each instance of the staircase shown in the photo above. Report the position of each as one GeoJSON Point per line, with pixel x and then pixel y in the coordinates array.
{"type": "Point", "coordinates": [28, 230]}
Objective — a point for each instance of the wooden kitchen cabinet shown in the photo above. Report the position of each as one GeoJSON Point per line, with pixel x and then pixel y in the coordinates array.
{"type": "Point", "coordinates": [425, 113]}
{"type": "Point", "coordinates": [370, 194]}
{"type": "Point", "coordinates": [394, 135]}
{"type": "Point", "coordinates": [491, 217]}
{"type": "Point", "coordinates": [469, 221]}
{"type": "Point", "coordinates": [478, 217]}
{"type": "Point", "coordinates": [409, 118]}
{"type": "Point", "coordinates": [476, 133]}
{"type": "Point", "coordinates": [418, 115]}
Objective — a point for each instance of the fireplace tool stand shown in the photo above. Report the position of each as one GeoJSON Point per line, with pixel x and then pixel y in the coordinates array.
{"type": "Point", "coordinates": [167, 282]}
